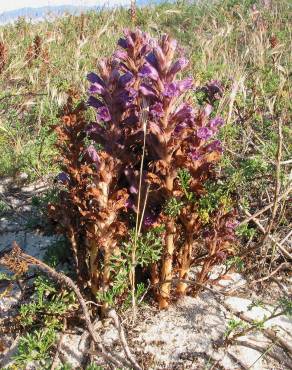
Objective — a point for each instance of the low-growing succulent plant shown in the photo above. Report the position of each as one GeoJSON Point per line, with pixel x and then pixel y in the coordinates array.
{"type": "Point", "coordinates": [144, 162]}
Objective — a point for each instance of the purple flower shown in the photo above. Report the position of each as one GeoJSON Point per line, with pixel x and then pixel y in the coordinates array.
{"type": "Point", "coordinates": [178, 66]}
{"type": "Point", "coordinates": [120, 54]}
{"type": "Point", "coordinates": [151, 58]}
{"type": "Point", "coordinates": [103, 114]}
{"type": "Point", "coordinates": [186, 84]}
{"type": "Point", "coordinates": [171, 90]}
{"type": "Point", "coordinates": [92, 154]}
{"type": "Point", "coordinates": [96, 89]}
{"type": "Point", "coordinates": [125, 79]}
{"type": "Point", "coordinates": [184, 112]}
{"type": "Point", "coordinates": [123, 43]}
{"type": "Point", "coordinates": [148, 71]}
{"type": "Point", "coordinates": [176, 88]}
{"type": "Point", "coordinates": [133, 189]}
{"type": "Point", "coordinates": [180, 127]}
{"type": "Point", "coordinates": [157, 110]}
{"type": "Point", "coordinates": [231, 225]}
{"type": "Point", "coordinates": [207, 110]}
{"type": "Point", "coordinates": [147, 90]}
{"type": "Point", "coordinates": [204, 133]}
{"type": "Point", "coordinates": [95, 79]}
{"type": "Point", "coordinates": [216, 122]}
{"type": "Point", "coordinates": [63, 177]}
{"type": "Point", "coordinates": [93, 102]}
{"type": "Point", "coordinates": [194, 155]}
{"type": "Point", "coordinates": [216, 145]}
{"type": "Point", "coordinates": [126, 97]}
{"type": "Point", "coordinates": [160, 57]}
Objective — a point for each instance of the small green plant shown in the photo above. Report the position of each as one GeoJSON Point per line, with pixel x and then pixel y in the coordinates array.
{"type": "Point", "coordinates": [246, 231]}
{"type": "Point", "coordinates": [235, 262]}
{"type": "Point", "coordinates": [173, 207]}
{"type": "Point", "coordinates": [149, 249]}
{"type": "Point", "coordinates": [36, 347]}
{"type": "Point", "coordinates": [286, 304]}
{"type": "Point", "coordinates": [184, 178]}
{"type": "Point", "coordinates": [233, 326]}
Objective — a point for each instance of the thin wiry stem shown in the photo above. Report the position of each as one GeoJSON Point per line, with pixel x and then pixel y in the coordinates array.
{"type": "Point", "coordinates": [144, 117]}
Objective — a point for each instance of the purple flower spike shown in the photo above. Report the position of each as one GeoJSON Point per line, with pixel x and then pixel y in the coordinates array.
{"type": "Point", "coordinates": [184, 112]}
{"type": "Point", "coordinates": [204, 133]}
{"type": "Point", "coordinates": [104, 114]}
{"type": "Point", "coordinates": [178, 66]}
{"type": "Point", "coordinates": [160, 57]}
{"type": "Point", "coordinates": [151, 58]}
{"type": "Point", "coordinates": [216, 122]}
{"type": "Point", "coordinates": [148, 71]}
{"type": "Point", "coordinates": [92, 154]}
{"type": "Point", "coordinates": [180, 127]}
{"type": "Point", "coordinates": [120, 54]}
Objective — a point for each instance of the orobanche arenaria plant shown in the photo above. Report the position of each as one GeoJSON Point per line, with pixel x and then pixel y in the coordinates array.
{"type": "Point", "coordinates": [145, 166]}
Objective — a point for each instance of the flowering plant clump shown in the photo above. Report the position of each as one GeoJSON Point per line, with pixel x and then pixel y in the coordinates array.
{"type": "Point", "coordinates": [146, 162]}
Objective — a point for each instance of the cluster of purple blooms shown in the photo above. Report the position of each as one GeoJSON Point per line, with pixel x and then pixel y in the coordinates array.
{"type": "Point", "coordinates": [142, 96]}
{"type": "Point", "coordinates": [143, 75]}
{"type": "Point", "coordinates": [122, 85]}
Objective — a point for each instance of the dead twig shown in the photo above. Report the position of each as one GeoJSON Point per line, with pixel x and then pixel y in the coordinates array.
{"type": "Point", "coordinates": [263, 230]}
{"type": "Point", "coordinates": [114, 316]}
{"type": "Point", "coordinates": [281, 267]}
{"type": "Point", "coordinates": [264, 350]}
{"type": "Point", "coordinates": [267, 207]}
{"type": "Point", "coordinates": [277, 185]}
{"type": "Point", "coordinates": [58, 349]}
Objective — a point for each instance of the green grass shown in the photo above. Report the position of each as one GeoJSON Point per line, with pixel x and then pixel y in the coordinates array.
{"type": "Point", "coordinates": [222, 39]}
